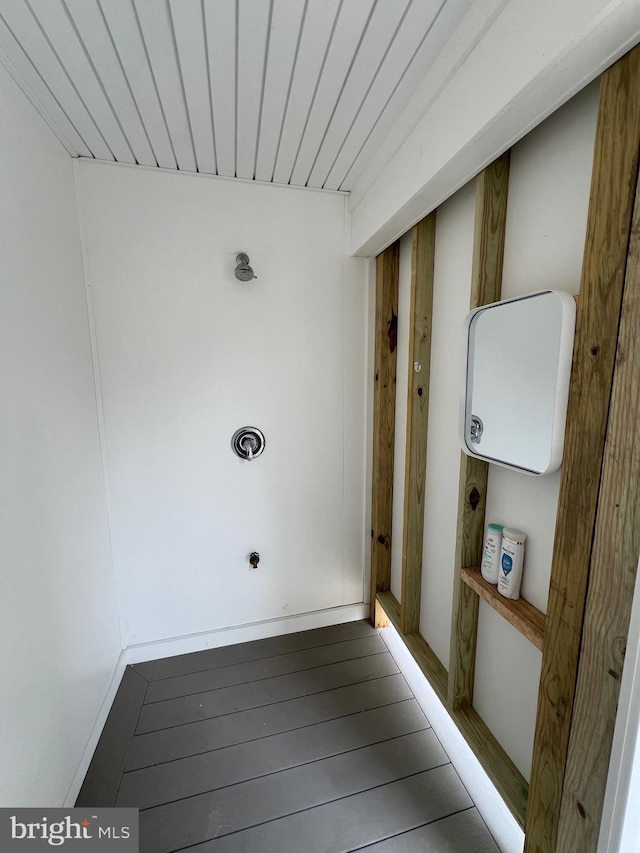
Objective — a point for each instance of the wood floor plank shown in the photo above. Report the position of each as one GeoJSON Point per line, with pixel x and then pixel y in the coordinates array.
{"type": "Point", "coordinates": [254, 723]}
{"type": "Point", "coordinates": [226, 676]}
{"type": "Point", "coordinates": [239, 763]}
{"type": "Point", "coordinates": [100, 785]}
{"type": "Point", "coordinates": [196, 819]}
{"type": "Point", "coordinates": [464, 832]}
{"type": "Point", "coordinates": [201, 706]}
{"type": "Point", "coordinates": [352, 822]}
{"type": "Point", "coordinates": [244, 652]}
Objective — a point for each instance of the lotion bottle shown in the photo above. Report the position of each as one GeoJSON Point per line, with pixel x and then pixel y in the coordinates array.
{"type": "Point", "coordinates": [489, 567]}
{"type": "Point", "coordinates": [511, 562]}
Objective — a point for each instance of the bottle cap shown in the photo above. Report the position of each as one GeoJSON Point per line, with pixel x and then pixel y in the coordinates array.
{"type": "Point", "coordinates": [514, 535]}
{"type": "Point", "coordinates": [496, 528]}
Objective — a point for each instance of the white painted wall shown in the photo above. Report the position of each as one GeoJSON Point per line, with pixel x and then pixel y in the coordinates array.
{"type": "Point", "coordinates": [59, 634]}
{"type": "Point", "coordinates": [187, 355]}
{"type": "Point", "coordinates": [549, 185]}
{"type": "Point", "coordinates": [452, 281]}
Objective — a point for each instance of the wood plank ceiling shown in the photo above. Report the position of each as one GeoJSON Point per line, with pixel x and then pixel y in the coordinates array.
{"type": "Point", "coordinates": [289, 91]}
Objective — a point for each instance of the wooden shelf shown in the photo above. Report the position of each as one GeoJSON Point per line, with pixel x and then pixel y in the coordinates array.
{"type": "Point", "coordinates": [523, 616]}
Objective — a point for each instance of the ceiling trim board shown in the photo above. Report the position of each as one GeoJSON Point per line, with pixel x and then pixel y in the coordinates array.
{"type": "Point", "coordinates": [420, 177]}
{"type": "Point", "coordinates": [205, 176]}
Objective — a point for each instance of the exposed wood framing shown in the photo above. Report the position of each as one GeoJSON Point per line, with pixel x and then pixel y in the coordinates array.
{"type": "Point", "coordinates": [420, 323]}
{"type": "Point", "coordinates": [486, 285]}
{"type": "Point", "coordinates": [599, 309]}
{"type": "Point", "coordinates": [612, 579]}
{"type": "Point", "coordinates": [421, 652]}
{"type": "Point", "coordinates": [496, 763]}
{"type": "Point", "coordinates": [384, 414]}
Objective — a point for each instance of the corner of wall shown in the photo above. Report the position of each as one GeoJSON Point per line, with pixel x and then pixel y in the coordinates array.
{"type": "Point", "coordinates": [95, 365]}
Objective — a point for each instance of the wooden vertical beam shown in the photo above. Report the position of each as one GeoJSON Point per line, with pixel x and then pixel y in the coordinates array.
{"type": "Point", "coordinates": [612, 578]}
{"type": "Point", "coordinates": [613, 185]}
{"type": "Point", "coordinates": [384, 416]}
{"type": "Point", "coordinates": [486, 286]}
{"type": "Point", "coordinates": [420, 323]}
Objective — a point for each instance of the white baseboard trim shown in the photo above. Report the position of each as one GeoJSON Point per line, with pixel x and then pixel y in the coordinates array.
{"type": "Point", "coordinates": [244, 633]}
{"type": "Point", "coordinates": [197, 642]}
{"type": "Point", "coordinates": [501, 823]}
{"type": "Point", "coordinates": [94, 737]}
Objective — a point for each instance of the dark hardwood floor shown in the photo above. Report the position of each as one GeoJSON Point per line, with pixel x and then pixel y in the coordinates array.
{"type": "Point", "coordinates": [305, 743]}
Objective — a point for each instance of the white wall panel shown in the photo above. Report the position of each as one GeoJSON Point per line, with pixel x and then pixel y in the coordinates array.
{"type": "Point", "coordinates": [187, 355]}
{"type": "Point", "coordinates": [452, 281]}
{"type": "Point", "coordinates": [59, 630]}
{"type": "Point", "coordinates": [402, 389]}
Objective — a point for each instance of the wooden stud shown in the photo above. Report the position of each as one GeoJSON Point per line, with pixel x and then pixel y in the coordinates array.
{"type": "Point", "coordinates": [419, 649]}
{"type": "Point", "coordinates": [381, 619]}
{"type": "Point", "coordinates": [608, 229]}
{"type": "Point", "coordinates": [486, 285]}
{"type": "Point", "coordinates": [510, 783]}
{"type": "Point", "coordinates": [384, 413]}
{"type": "Point", "coordinates": [420, 322]}
{"type": "Point", "coordinates": [612, 578]}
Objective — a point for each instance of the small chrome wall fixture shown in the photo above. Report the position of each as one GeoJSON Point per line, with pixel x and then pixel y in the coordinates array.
{"type": "Point", "coordinates": [248, 443]}
{"type": "Point", "coordinates": [243, 271]}
{"type": "Point", "coordinates": [254, 559]}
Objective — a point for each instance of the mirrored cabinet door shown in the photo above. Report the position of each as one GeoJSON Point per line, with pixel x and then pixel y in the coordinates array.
{"type": "Point", "coordinates": [516, 384]}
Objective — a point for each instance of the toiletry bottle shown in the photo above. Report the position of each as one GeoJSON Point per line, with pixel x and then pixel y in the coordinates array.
{"type": "Point", "coordinates": [491, 553]}
{"type": "Point", "coordinates": [511, 560]}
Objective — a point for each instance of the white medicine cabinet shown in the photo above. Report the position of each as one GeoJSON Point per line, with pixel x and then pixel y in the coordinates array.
{"type": "Point", "coordinates": [513, 405]}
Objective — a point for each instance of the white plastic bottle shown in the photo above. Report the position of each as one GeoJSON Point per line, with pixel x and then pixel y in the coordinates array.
{"type": "Point", "coordinates": [489, 567]}
{"type": "Point", "coordinates": [511, 562]}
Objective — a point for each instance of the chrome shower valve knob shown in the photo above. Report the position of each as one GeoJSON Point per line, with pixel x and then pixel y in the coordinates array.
{"type": "Point", "coordinates": [248, 443]}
